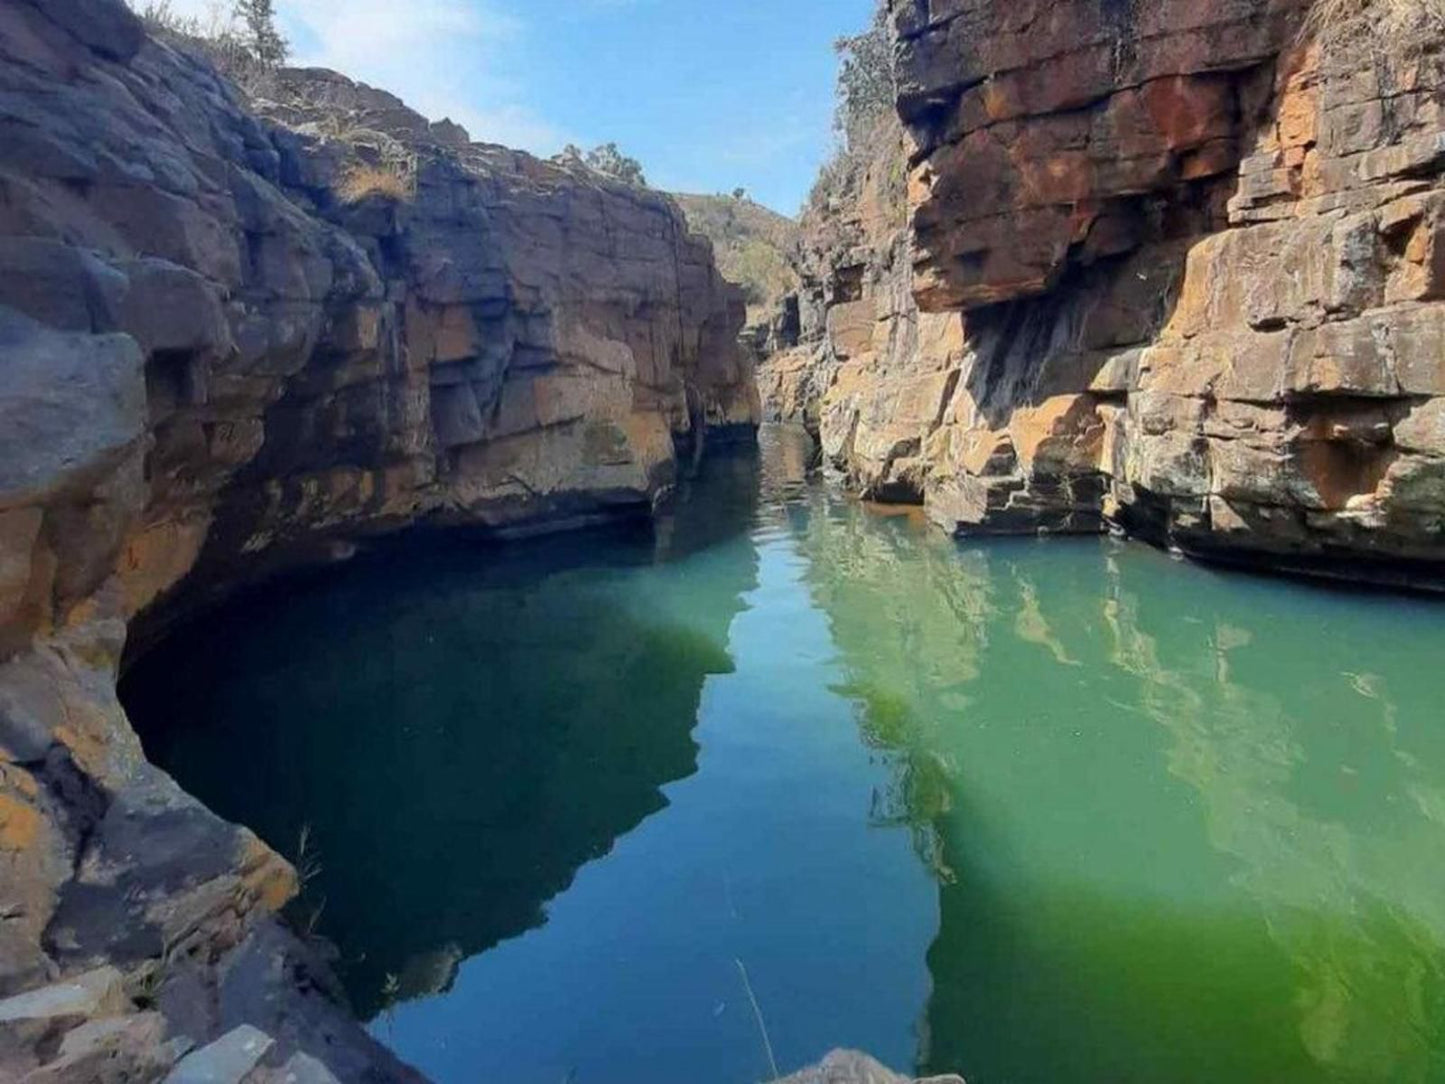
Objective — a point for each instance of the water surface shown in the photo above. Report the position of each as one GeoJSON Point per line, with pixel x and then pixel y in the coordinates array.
{"type": "Point", "coordinates": [788, 774]}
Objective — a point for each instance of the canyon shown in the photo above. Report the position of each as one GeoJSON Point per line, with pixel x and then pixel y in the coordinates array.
{"type": "Point", "coordinates": [1172, 269]}
{"type": "Point", "coordinates": [222, 357]}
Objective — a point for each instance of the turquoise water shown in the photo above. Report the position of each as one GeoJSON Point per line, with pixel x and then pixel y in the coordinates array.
{"type": "Point", "coordinates": [788, 774]}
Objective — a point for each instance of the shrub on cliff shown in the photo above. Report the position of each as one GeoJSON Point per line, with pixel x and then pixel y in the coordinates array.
{"type": "Point", "coordinates": [239, 38]}
{"type": "Point", "coordinates": [215, 34]}
{"type": "Point", "coordinates": [870, 153]}
{"type": "Point", "coordinates": [606, 160]}
{"type": "Point", "coordinates": [867, 78]}
{"type": "Point", "coordinates": [389, 180]}
{"type": "Point", "coordinates": [1387, 24]}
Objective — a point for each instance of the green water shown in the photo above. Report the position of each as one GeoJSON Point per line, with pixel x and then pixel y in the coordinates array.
{"type": "Point", "coordinates": [1032, 811]}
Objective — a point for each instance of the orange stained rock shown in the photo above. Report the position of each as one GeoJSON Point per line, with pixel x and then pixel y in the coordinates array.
{"type": "Point", "coordinates": [987, 452]}
{"type": "Point", "coordinates": [268, 877]}
{"type": "Point", "coordinates": [19, 821]}
{"type": "Point", "coordinates": [158, 558]}
{"type": "Point", "coordinates": [1189, 111]}
{"type": "Point", "coordinates": [1062, 429]}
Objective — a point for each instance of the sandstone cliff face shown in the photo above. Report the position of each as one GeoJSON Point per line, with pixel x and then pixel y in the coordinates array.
{"type": "Point", "coordinates": [1179, 269]}
{"type": "Point", "coordinates": [866, 368]}
{"type": "Point", "coordinates": [509, 344]}
{"type": "Point", "coordinates": [212, 363]}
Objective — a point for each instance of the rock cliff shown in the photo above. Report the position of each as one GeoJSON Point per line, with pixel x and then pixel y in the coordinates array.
{"type": "Point", "coordinates": [237, 335]}
{"type": "Point", "coordinates": [1173, 267]}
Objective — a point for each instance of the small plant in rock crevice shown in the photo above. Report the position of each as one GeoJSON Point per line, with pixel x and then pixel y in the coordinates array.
{"type": "Point", "coordinates": [1389, 25]}
{"type": "Point", "coordinates": [305, 914]}
{"type": "Point", "coordinates": [394, 181]}
{"type": "Point", "coordinates": [308, 862]}
{"type": "Point", "coordinates": [390, 996]}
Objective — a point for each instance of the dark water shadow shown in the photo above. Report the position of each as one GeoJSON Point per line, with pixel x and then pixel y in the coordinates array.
{"type": "Point", "coordinates": [456, 728]}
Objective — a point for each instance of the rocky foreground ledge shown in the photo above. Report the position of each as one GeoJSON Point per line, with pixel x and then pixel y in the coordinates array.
{"type": "Point", "coordinates": [240, 335]}
{"type": "Point", "coordinates": [1174, 267]}
{"type": "Point", "coordinates": [851, 1067]}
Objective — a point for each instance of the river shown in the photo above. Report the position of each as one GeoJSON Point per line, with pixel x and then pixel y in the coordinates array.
{"type": "Point", "coordinates": [786, 772]}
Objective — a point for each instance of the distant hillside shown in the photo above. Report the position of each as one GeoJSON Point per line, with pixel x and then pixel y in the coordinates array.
{"type": "Point", "coordinates": [754, 246]}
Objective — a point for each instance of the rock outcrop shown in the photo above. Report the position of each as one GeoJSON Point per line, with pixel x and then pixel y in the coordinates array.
{"type": "Point", "coordinates": [869, 370]}
{"type": "Point", "coordinates": [1175, 268]}
{"type": "Point", "coordinates": [235, 336]}
{"type": "Point", "coordinates": [851, 1067]}
{"type": "Point", "coordinates": [755, 247]}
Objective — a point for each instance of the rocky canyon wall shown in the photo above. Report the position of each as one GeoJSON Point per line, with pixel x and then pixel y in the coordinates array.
{"type": "Point", "coordinates": [240, 334]}
{"type": "Point", "coordinates": [1173, 267]}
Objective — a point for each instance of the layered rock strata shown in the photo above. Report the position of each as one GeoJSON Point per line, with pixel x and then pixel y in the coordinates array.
{"type": "Point", "coordinates": [235, 336]}
{"type": "Point", "coordinates": [869, 370]}
{"type": "Point", "coordinates": [1176, 268]}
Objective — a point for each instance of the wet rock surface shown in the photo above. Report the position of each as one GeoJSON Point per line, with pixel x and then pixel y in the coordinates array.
{"type": "Point", "coordinates": [1167, 267]}
{"type": "Point", "coordinates": [223, 352]}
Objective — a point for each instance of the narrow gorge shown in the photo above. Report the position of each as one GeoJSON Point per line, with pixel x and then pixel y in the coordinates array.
{"type": "Point", "coordinates": [430, 651]}
{"type": "Point", "coordinates": [219, 362]}
{"type": "Point", "coordinates": [1170, 268]}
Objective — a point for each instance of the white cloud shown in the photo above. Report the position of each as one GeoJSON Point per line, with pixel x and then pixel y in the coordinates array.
{"type": "Point", "coordinates": [383, 34]}
{"type": "Point", "coordinates": [440, 56]}
{"type": "Point", "coordinates": [444, 58]}
{"type": "Point", "coordinates": [509, 124]}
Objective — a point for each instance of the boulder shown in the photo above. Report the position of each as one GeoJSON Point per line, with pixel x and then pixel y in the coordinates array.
{"type": "Point", "coordinates": [851, 1067]}
{"type": "Point", "coordinates": [74, 405]}
{"type": "Point", "coordinates": [228, 1060]}
{"type": "Point", "coordinates": [99, 992]}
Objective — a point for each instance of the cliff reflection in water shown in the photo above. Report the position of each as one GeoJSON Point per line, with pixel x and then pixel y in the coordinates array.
{"type": "Point", "coordinates": [1185, 826]}
{"type": "Point", "coordinates": [1061, 811]}
{"type": "Point", "coordinates": [457, 728]}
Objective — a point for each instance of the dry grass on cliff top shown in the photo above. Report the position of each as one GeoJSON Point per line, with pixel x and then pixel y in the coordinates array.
{"type": "Point", "coordinates": [1392, 24]}
{"type": "Point", "coordinates": [389, 181]}
{"type": "Point", "coordinates": [754, 246]}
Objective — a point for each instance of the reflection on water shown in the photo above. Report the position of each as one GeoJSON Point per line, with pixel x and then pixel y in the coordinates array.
{"type": "Point", "coordinates": [1188, 826]}
{"type": "Point", "coordinates": [1028, 811]}
{"type": "Point", "coordinates": [455, 729]}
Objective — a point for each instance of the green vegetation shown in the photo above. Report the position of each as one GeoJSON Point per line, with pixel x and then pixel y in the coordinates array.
{"type": "Point", "coordinates": [262, 38]}
{"type": "Point", "coordinates": [868, 130]}
{"type": "Point", "coordinates": [754, 246]}
{"type": "Point", "coordinates": [606, 160]}
{"type": "Point", "coordinates": [240, 38]}
{"type": "Point", "coordinates": [867, 78]}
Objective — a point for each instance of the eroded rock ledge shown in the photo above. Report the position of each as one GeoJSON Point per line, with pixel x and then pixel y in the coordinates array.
{"type": "Point", "coordinates": [220, 354]}
{"type": "Point", "coordinates": [1172, 266]}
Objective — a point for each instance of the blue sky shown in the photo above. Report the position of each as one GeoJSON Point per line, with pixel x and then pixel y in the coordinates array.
{"type": "Point", "coordinates": [708, 94]}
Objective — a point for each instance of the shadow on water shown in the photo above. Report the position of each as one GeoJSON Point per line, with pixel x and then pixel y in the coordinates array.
{"type": "Point", "coordinates": [1180, 831]}
{"type": "Point", "coordinates": [456, 728]}
{"type": "Point", "coordinates": [1169, 824]}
